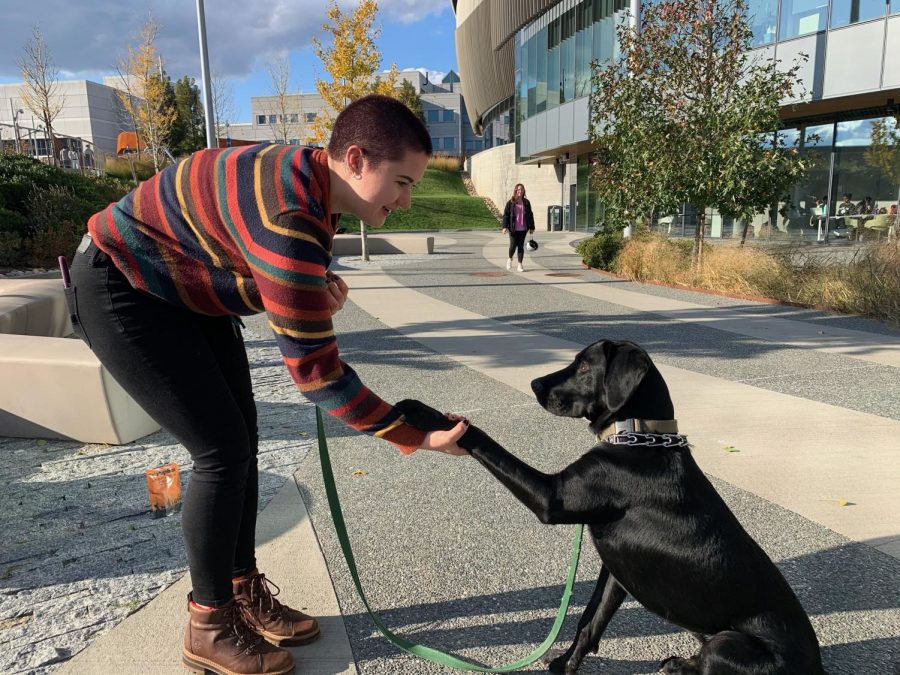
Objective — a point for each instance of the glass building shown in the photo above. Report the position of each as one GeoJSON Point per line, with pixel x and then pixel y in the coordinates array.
{"type": "Point", "coordinates": [525, 66]}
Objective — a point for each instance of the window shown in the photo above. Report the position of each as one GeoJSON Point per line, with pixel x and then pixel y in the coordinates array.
{"type": "Point", "coordinates": [260, 119]}
{"type": "Point", "coordinates": [294, 118]}
{"type": "Point", "coordinates": [432, 115]}
{"type": "Point", "coordinates": [273, 119]}
{"type": "Point", "coordinates": [802, 17]}
{"type": "Point", "coordinates": [845, 12]}
{"type": "Point", "coordinates": [763, 17]}
{"type": "Point", "coordinates": [449, 143]}
{"type": "Point", "coordinates": [435, 143]}
{"type": "Point", "coordinates": [310, 117]}
{"type": "Point", "coordinates": [448, 116]}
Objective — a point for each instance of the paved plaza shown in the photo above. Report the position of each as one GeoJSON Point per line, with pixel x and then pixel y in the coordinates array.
{"type": "Point", "coordinates": [793, 413]}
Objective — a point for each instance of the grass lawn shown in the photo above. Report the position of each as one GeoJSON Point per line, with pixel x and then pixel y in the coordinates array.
{"type": "Point", "coordinates": [439, 202]}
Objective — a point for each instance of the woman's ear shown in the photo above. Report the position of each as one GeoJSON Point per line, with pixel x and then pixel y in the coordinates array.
{"type": "Point", "coordinates": [354, 160]}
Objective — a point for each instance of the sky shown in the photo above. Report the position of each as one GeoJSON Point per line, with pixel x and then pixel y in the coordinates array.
{"type": "Point", "coordinates": [88, 38]}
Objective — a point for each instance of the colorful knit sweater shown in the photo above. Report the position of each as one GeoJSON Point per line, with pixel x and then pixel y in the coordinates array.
{"type": "Point", "coordinates": [240, 231]}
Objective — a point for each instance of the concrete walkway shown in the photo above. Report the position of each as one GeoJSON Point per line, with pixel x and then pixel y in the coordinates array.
{"type": "Point", "coordinates": [450, 559]}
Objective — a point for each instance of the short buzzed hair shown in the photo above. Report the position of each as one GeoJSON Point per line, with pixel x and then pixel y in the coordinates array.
{"type": "Point", "coordinates": [382, 126]}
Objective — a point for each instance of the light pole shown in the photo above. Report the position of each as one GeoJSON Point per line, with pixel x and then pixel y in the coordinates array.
{"type": "Point", "coordinates": [15, 115]}
{"type": "Point", "coordinates": [211, 141]}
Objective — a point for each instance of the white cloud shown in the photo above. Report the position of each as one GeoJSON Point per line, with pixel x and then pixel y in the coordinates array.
{"type": "Point", "coordinates": [89, 38]}
{"type": "Point", "coordinates": [410, 11]}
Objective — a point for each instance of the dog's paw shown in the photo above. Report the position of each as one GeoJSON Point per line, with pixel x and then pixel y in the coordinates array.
{"type": "Point", "coordinates": [423, 416]}
{"type": "Point", "coordinates": [675, 665]}
{"type": "Point", "coordinates": [557, 662]}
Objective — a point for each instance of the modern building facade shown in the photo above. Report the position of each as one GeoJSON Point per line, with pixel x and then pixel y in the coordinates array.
{"type": "Point", "coordinates": [529, 61]}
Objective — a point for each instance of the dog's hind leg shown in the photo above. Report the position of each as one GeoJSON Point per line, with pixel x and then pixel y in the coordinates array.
{"type": "Point", "coordinates": [729, 653]}
{"type": "Point", "coordinates": [606, 599]}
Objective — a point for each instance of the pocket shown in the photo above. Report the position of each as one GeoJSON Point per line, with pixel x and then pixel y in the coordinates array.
{"type": "Point", "coordinates": [72, 305]}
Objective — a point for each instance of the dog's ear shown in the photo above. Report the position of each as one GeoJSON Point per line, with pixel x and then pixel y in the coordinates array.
{"type": "Point", "coordinates": [626, 366]}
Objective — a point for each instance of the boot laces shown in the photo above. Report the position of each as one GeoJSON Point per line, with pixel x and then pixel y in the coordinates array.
{"type": "Point", "coordinates": [240, 616]}
{"type": "Point", "coordinates": [262, 597]}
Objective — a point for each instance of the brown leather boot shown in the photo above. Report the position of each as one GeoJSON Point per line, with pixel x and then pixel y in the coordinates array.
{"type": "Point", "coordinates": [222, 641]}
{"type": "Point", "coordinates": [277, 623]}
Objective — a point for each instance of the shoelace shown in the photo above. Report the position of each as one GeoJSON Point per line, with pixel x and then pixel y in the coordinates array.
{"type": "Point", "coordinates": [240, 616]}
{"type": "Point", "coordinates": [260, 593]}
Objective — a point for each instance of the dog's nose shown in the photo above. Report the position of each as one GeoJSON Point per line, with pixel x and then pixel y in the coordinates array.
{"type": "Point", "coordinates": [536, 386]}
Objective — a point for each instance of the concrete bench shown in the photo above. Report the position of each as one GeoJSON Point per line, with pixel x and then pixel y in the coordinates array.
{"type": "Point", "coordinates": [54, 386]}
{"type": "Point", "coordinates": [351, 244]}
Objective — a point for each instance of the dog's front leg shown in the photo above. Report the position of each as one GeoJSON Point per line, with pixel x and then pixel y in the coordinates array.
{"type": "Point", "coordinates": [606, 599]}
{"type": "Point", "coordinates": [564, 497]}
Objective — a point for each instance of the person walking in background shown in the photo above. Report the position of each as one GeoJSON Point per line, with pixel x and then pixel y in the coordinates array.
{"type": "Point", "coordinates": [518, 221]}
{"type": "Point", "coordinates": [158, 284]}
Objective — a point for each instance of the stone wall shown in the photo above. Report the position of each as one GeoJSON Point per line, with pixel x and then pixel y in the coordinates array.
{"type": "Point", "coordinates": [494, 173]}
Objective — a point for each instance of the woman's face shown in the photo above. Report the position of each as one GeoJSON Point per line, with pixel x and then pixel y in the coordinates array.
{"type": "Point", "coordinates": [387, 186]}
{"type": "Point", "coordinates": [519, 192]}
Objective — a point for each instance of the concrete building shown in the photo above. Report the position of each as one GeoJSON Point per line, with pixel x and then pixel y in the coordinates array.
{"type": "Point", "coordinates": [529, 61]}
{"type": "Point", "coordinates": [91, 112]}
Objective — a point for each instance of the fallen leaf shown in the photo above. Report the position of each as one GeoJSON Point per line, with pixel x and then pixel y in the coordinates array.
{"type": "Point", "coordinates": [843, 502]}
{"type": "Point", "coordinates": [360, 472]}
{"type": "Point", "coordinates": [730, 448]}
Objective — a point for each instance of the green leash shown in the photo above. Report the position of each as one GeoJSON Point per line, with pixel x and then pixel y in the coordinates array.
{"type": "Point", "coordinates": [422, 651]}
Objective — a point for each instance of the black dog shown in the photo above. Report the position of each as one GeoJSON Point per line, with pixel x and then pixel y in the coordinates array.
{"type": "Point", "coordinates": [663, 533]}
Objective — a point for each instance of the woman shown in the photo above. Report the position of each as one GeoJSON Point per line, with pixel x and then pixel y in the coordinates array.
{"type": "Point", "coordinates": [157, 286]}
{"type": "Point", "coordinates": [518, 220]}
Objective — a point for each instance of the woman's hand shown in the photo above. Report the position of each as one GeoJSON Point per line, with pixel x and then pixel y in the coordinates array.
{"type": "Point", "coordinates": [337, 292]}
{"type": "Point", "coordinates": [505, 230]}
{"type": "Point", "coordinates": [445, 441]}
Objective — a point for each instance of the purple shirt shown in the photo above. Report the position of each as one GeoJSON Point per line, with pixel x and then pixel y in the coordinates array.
{"type": "Point", "coordinates": [520, 216]}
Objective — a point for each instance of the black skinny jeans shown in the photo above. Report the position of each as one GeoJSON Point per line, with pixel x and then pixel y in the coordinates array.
{"type": "Point", "coordinates": [517, 243]}
{"type": "Point", "coordinates": [190, 373]}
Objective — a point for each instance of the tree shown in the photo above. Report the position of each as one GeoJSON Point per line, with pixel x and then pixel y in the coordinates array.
{"type": "Point", "coordinates": [682, 116]}
{"type": "Point", "coordinates": [407, 93]}
{"type": "Point", "coordinates": [189, 130]}
{"type": "Point", "coordinates": [223, 104]}
{"type": "Point", "coordinates": [884, 151]}
{"type": "Point", "coordinates": [146, 97]}
{"type": "Point", "coordinates": [40, 91]}
{"type": "Point", "coordinates": [286, 125]}
{"type": "Point", "coordinates": [352, 60]}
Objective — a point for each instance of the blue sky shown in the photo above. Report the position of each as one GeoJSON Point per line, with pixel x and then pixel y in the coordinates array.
{"type": "Point", "coordinates": [89, 37]}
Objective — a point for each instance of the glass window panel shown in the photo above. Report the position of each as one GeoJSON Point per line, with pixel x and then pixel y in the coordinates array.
{"type": "Point", "coordinates": [567, 58]}
{"type": "Point", "coordinates": [449, 143]}
{"type": "Point", "coordinates": [432, 115]}
{"type": "Point", "coordinates": [435, 142]}
{"type": "Point", "coordinates": [845, 12]}
{"type": "Point", "coordinates": [448, 116]}
{"type": "Point", "coordinates": [541, 90]}
{"type": "Point", "coordinates": [763, 16]}
{"type": "Point", "coordinates": [531, 74]}
{"type": "Point", "coordinates": [802, 17]}
{"type": "Point", "coordinates": [260, 119]}
{"type": "Point", "coordinates": [553, 83]}
{"type": "Point", "coordinates": [818, 136]}
{"type": "Point", "coordinates": [895, 6]}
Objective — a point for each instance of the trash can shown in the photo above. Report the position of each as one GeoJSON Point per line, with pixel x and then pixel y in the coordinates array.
{"type": "Point", "coordinates": [554, 218]}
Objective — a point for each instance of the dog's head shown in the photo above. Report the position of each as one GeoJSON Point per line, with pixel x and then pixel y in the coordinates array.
{"type": "Point", "coordinates": [607, 381]}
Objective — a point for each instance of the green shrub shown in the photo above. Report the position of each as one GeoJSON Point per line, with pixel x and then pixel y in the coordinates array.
{"type": "Point", "coordinates": [44, 209]}
{"type": "Point", "coordinates": [600, 251]}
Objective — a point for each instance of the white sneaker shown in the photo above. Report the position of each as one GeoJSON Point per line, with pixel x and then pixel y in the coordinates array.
{"type": "Point", "coordinates": [520, 268]}
{"type": "Point", "coordinates": [509, 264]}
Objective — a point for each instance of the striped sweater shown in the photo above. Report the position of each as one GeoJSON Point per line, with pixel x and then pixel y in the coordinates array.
{"type": "Point", "coordinates": [240, 231]}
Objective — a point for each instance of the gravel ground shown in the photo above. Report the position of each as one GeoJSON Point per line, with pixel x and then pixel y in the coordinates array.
{"type": "Point", "coordinates": [81, 550]}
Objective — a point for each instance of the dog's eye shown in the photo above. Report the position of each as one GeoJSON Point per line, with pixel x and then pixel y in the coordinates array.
{"type": "Point", "coordinates": [583, 367]}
